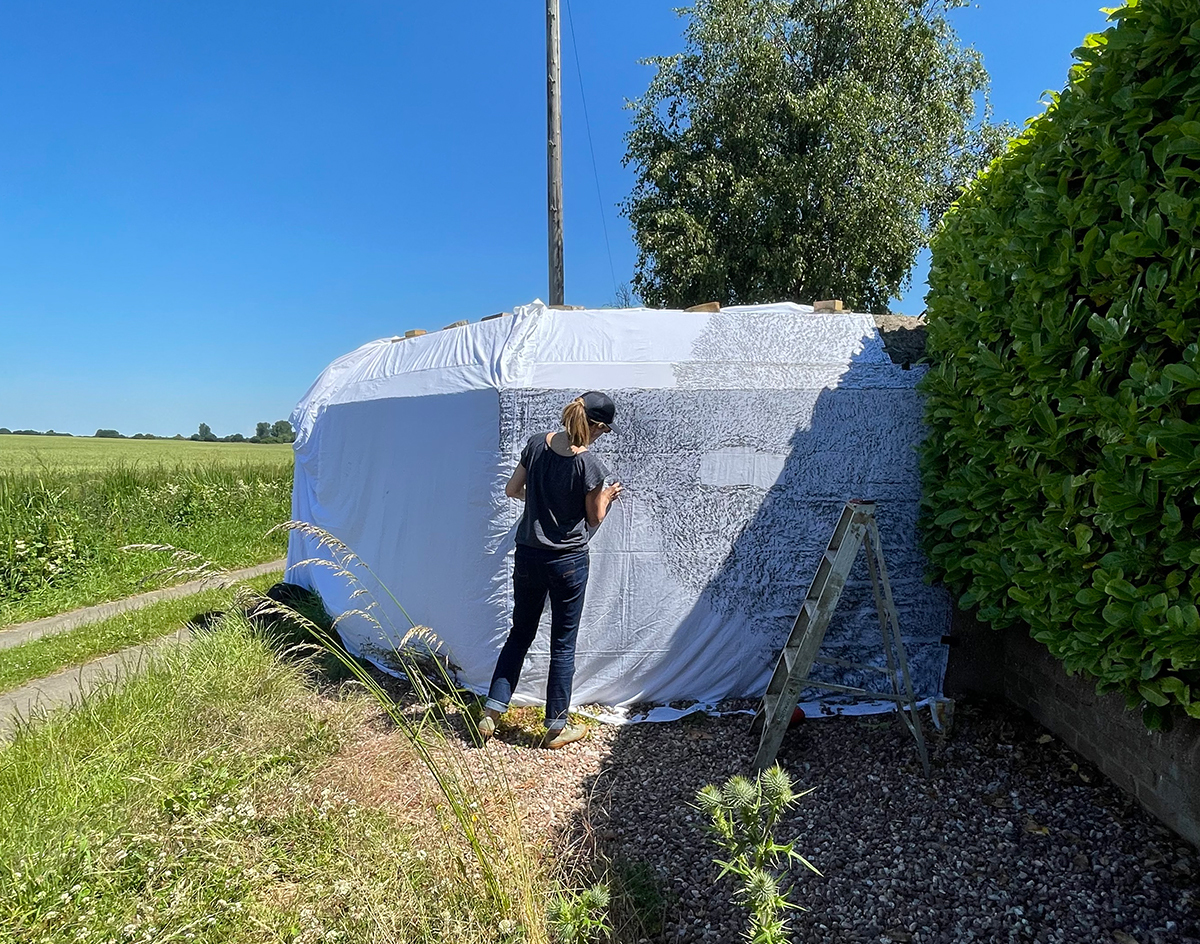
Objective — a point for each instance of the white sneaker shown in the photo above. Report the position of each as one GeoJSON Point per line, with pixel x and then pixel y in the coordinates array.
{"type": "Point", "coordinates": [487, 724]}
{"type": "Point", "coordinates": [561, 737]}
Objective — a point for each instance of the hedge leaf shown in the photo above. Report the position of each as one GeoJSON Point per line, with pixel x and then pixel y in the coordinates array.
{"type": "Point", "coordinates": [1062, 471]}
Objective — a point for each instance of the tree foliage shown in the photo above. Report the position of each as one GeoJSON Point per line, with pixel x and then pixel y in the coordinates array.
{"type": "Point", "coordinates": [1063, 466]}
{"type": "Point", "coordinates": [801, 149]}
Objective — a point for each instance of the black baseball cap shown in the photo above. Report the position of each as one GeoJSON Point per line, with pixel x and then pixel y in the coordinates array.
{"type": "Point", "coordinates": [599, 408]}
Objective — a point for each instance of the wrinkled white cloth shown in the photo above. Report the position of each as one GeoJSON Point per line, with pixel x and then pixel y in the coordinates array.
{"type": "Point", "coordinates": [740, 434]}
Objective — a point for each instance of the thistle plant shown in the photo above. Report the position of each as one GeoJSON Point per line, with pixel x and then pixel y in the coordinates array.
{"type": "Point", "coordinates": [743, 815]}
{"type": "Point", "coordinates": [578, 918]}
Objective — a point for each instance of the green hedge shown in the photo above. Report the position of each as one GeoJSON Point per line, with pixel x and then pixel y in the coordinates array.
{"type": "Point", "coordinates": [1062, 469]}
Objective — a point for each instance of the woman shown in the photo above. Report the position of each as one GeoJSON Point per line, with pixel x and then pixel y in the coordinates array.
{"type": "Point", "coordinates": [562, 485]}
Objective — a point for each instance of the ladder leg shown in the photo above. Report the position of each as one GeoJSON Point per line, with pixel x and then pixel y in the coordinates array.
{"type": "Point", "coordinates": [796, 658]}
{"type": "Point", "coordinates": [874, 556]}
{"type": "Point", "coordinates": [881, 610]}
{"type": "Point", "coordinates": [875, 550]}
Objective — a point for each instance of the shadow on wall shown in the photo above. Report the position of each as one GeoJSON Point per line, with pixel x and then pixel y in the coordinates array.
{"type": "Point", "coordinates": [759, 511]}
{"type": "Point", "coordinates": [860, 443]}
{"type": "Point", "coordinates": [734, 494]}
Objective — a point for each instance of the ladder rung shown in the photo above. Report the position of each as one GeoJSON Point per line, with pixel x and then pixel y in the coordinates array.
{"type": "Point", "coordinates": [842, 663]}
{"type": "Point", "coordinates": [847, 690]}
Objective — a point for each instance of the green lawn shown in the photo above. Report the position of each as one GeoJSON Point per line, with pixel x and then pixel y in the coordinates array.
{"type": "Point", "coordinates": [214, 799]}
{"type": "Point", "coordinates": [41, 657]}
{"type": "Point", "coordinates": [58, 454]}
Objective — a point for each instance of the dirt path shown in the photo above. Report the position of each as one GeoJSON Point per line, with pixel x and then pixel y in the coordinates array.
{"type": "Point", "coordinates": [71, 685]}
{"type": "Point", "coordinates": [19, 633]}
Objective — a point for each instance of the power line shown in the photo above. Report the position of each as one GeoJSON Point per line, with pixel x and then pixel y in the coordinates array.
{"type": "Point", "coordinates": [588, 124]}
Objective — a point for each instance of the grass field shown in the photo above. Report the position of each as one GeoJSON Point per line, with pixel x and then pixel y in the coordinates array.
{"type": "Point", "coordinates": [68, 507]}
{"type": "Point", "coordinates": [208, 800]}
{"type": "Point", "coordinates": [57, 454]}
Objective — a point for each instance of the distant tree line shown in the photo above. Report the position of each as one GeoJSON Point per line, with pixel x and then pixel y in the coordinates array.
{"type": "Point", "coordinates": [278, 432]}
{"type": "Point", "coordinates": [113, 434]}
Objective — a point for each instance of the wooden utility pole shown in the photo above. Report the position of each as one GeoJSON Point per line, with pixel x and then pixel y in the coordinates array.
{"type": "Point", "coordinates": [554, 186]}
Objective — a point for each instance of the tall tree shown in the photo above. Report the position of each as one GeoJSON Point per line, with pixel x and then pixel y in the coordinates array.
{"type": "Point", "coordinates": [802, 149]}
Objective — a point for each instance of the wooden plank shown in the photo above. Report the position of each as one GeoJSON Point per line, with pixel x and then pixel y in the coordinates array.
{"type": "Point", "coordinates": [554, 179]}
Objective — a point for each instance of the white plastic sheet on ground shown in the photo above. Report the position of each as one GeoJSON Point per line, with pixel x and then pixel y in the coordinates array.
{"type": "Point", "coordinates": [740, 436]}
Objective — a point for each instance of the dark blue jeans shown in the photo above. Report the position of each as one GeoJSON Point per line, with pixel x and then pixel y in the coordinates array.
{"type": "Point", "coordinates": [538, 573]}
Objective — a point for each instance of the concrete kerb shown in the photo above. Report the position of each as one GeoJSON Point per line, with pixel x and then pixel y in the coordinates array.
{"type": "Point", "coordinates": [19, 633]}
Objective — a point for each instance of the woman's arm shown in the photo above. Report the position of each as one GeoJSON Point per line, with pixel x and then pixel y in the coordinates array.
{"type": "Point", "coordinates": [516, 484]}
{"type": "Point", "coordinates": [596, 502]}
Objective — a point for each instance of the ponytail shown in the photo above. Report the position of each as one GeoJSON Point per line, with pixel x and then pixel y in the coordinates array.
{"type": "Point", "coordinates": [575, 421]}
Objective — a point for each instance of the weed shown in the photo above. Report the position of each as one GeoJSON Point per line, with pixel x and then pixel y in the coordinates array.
{"type": "Point", "coordinates": [744, 814]}
{"type": "Point", "coordinates": [579, 917]}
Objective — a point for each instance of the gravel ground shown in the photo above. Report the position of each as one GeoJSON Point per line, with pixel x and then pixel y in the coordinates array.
{"type": "Point", "coordinates": [1014, 838]}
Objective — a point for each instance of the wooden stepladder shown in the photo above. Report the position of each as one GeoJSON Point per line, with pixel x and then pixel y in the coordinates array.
{"type": "Point", "coordinates": [855, 527]}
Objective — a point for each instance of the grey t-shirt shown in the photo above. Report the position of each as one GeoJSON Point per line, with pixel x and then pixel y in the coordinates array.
{"type": "Point", "coordinates": [555, 513]}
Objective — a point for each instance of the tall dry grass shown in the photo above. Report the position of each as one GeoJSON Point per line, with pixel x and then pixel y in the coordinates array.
{"type": "Point", "coordinates": [193, 803]}
{"type": "Point", "coordinates": [477, 795]}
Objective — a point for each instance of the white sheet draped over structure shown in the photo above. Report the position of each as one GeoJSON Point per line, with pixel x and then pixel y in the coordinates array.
{"type": "Point", "coordinates": [740, 435]}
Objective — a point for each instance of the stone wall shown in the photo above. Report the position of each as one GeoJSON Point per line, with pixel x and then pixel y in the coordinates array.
{"type": "Point", "coordinates": [1161, 770]}
{"type": "Point", "coordinates": [903, 338]}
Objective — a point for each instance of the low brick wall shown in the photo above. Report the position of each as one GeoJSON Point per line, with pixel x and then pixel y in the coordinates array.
{"type": "Point", "coordinates": [1162, 770]}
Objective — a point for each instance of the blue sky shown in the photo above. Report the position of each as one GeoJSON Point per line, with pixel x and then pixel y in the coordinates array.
{"type": "Point", "coordinates": [201, 205]}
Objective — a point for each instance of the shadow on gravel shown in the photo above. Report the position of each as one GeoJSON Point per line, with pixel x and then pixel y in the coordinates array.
{"type": "Point", "coordinates": [854, 438]}
{"type": "Point", "coordinates": [1014, 838]}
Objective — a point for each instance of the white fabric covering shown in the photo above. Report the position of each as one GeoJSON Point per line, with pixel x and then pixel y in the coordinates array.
{"type": "Point", "coordinates": [740, 435]}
